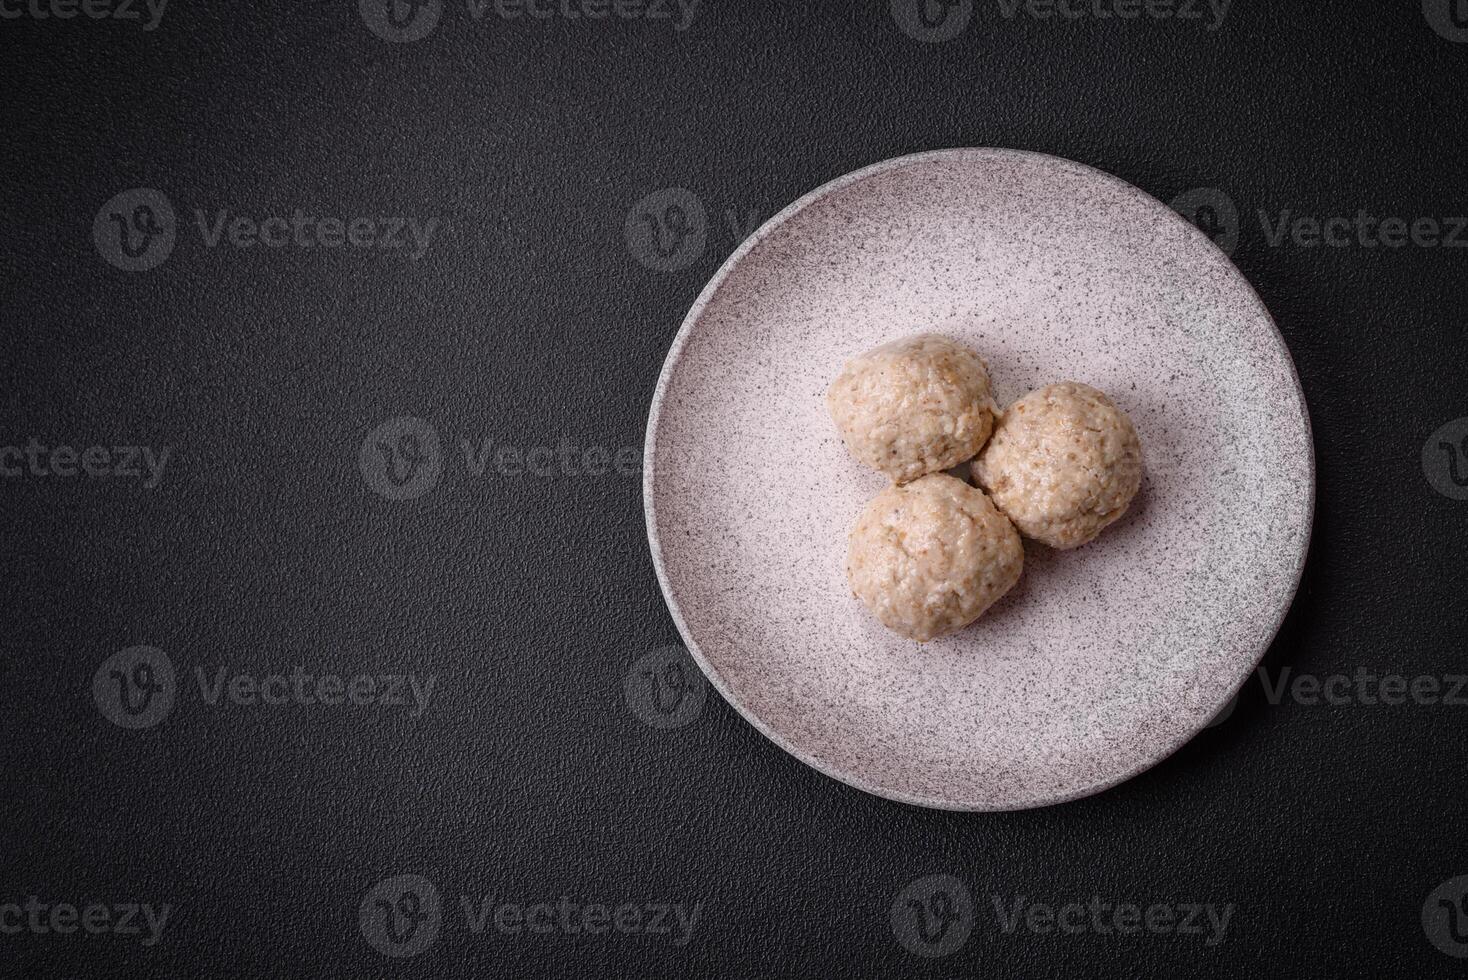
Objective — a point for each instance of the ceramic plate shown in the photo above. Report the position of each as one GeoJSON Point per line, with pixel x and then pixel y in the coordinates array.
{"type": "Point", "coordinates": [1103, 660]}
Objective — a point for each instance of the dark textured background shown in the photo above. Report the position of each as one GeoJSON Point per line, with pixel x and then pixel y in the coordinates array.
{"type": "Point", "coordinates": [529, 321]}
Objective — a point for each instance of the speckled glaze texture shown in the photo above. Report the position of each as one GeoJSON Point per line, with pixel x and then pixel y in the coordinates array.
{"type": "Point", "coordinates": [1100, 662]}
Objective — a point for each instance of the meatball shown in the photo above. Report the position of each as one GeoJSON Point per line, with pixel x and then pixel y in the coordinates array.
{"type": "Point", "coordinates": [1064, 463]}
{"type": "Point", "coordinates": [915, 406]}
{"type": "Point", "coordinates": [929, 557]}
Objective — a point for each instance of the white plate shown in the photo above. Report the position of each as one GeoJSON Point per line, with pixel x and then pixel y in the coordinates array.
{"type": "Point", "coordinates": [1103, 660]}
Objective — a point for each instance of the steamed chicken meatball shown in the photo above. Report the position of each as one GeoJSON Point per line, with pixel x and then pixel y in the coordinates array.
{"type": "Point", "coordinates": [915, 406]}
{"type": "Point", "coordinates": [1064, 463]}
{"type": "Point", "coordinates": [929, 557]}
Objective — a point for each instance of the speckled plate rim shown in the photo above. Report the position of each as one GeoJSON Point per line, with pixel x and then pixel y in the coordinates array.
{"type": "Point", "coordinates": [649, 469]}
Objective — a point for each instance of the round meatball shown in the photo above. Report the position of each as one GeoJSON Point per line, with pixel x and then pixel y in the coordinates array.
{"type": "Point", "coordinates": [928, 557]}
{"type": "Point", "coordinates": [1064, 462]}
{"type": "Point", "coordinates": [915, 406]}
